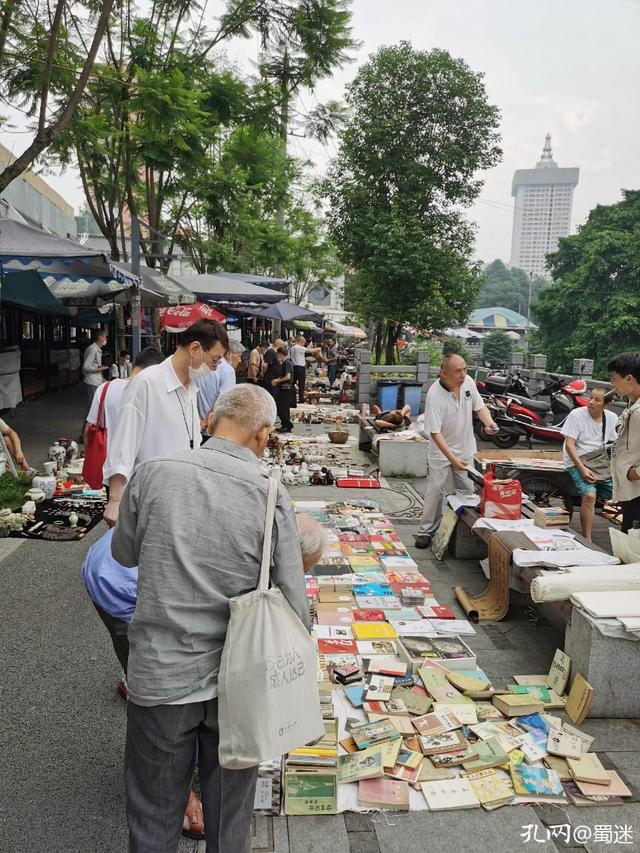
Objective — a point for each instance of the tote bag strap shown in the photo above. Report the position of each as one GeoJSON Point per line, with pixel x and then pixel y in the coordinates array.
{"type": "Point", "coordinates": [268, 532]}
{"type": "Point", "coordinates": [100, 418]}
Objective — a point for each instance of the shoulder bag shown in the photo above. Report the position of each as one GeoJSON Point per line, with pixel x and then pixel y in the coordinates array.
{"type": "Point", "coordinates": [267, 686]}
{"type": "Point", "coordinates": [96, 449]}
{"type": "Point", "coordinates": [599, 461]}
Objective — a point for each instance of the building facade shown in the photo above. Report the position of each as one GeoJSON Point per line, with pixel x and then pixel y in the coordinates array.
{"type": "Point", "coordinates": [542, 211]}
{"type": "Point", "coordinates": [30, 199]}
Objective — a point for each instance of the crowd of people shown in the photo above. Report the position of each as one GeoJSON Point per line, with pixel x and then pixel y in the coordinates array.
{"type": "Point", "coordinates": [184, 441]}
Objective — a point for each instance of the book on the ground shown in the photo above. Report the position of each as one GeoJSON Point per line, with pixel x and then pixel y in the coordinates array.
{"type": "Point", "coordinates": [355, 695]}
{"type": "Point", "coordinates": [580, 800]}
{"type": "Point", "coordinates": [586, 740]}
{"type": "Point", "coordinates": [430, 773]}
{"type": "Point", "coordinates": [446, 742]}
{"type": "Point", "coordinates": [396, 707]}
{"type": "Point", "coordinates": [368, 615]}
{"type": "Point", "coordinates": [436, 723]}
{"type": "Point", "coordinates": [615, 788]}
{"type": "Point", "coordinates": [384, 665]}
{"type": "Point", "coordinates": [404, 773]}
{"type": "Point", "coordinates": [558, 674]}
{"type": "Point", "coordinates": [489, 754]}
{"type": "Point", "coordinates": [492, 787]}
{"type": "Point", "coordinates": [537, 782]}
{"type": "Point", "coordinates": [360, 765]}
{"type": "Point", "coordinates": [539, 692]}
{"type": "Point", "coordinates": [488, 711]}
{"type": "Point", "coordinates": [390, 750]}
{"type": "Point", "coordinates": [378, 688]}
{"type": "Point", "coordinates": [373, 631]}
{"type": "Point", "coordinates": [450, 652]}
{"type": "Point", "coordinates": [516, 705]}
{"type": "Point", "coordinates": [580, 699]}
{"type": "Point", "coordinates": [465, 712]}
{"type": "Point", "coordinates": [310, 791]}
{"type": "Point", "coordinates": [562, 743]}
{"type": "Point", "coordinates": [588, 768]}
{"type": "Point", "coordinates": [369, 648]}
{"type": "Point", "coordinates": [268, 795]}
{"type": "Point", "coordinates": [555, 762]}
{"type": "Point", "coordinates": [454, 759]}
{"type": "Point", "coordinates": [440, 688]}
{"type": "Point", "coordinates": [368, 734]}
{"type": "Point", "coordinates": [533, 752]}
{"type": "Point", "coordinates": [449, 794]}
{"type": "Point", "coordinates": [343, 646]}
{"type": "Point", "coordinates": [472, 682]}
{"type": "Point", "coordinates": [384, 794]}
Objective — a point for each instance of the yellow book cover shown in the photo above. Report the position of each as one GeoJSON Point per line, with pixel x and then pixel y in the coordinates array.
{"type": "Point", "coordinates": [373, 631]}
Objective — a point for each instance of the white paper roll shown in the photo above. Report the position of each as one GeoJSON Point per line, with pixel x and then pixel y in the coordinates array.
{"type": "Point", "coordinates": [559, 587]}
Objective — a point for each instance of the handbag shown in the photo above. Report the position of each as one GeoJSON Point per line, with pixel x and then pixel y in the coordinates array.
{"type": "Point", "coordinates": [96, 450]}
{"type": "Point", "coordinates": [599, 461]}
{"type": "Point", "coordinates": [268, 700]}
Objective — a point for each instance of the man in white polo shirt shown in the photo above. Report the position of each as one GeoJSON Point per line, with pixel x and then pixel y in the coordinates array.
{"type": "Point", "coordinates": [448, 415]}
{"type": "Point", "coordinates": [159, 413]}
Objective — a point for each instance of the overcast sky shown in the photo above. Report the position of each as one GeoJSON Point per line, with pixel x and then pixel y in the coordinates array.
{"type": "Point", "coordinates": [567, 67]}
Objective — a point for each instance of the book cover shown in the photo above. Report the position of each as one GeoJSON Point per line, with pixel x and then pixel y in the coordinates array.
{"type": "Point", "coordinates": [337, 647]}
{"type": "Point", "coordinates": [440, 688]}
{"type": "Point", "coordinates": [368, 616]}
{"type": "Point", "coordinates": [539, 692]}
{"type": "Point", "coordinates": [578, 799]}
{"type": "Point", "coordinates": [515, 705]}
{"type": "Point", "coordinates": [355, 695]}
{"type": "Point", "coordinates": [378, 687]}
{"type": "Point", "coordinates": [447, 742]}
{"type": "Point", "coordinates": [384, 793]}
{"type": "Point", "coordinates": [310, 792]}
{"type": "Point", "coordinates": [390, 750]}
{"type": "Point", "coordinates": [465, 712]}
{"type": "Point", "coordinates": [588, 768]}
{"type": "Point", "coordinates": [367, 648]}
{"type": "Point", "coordinates": [559, 672]}
{"type": "Point", "coordinates": [384, 665]}
{"type": "Point", "coordinates": [360, 765]}
{"type": "Point", "coordinates": [489, 754]}
{"type": "Point", "coordinates": [415, 627]}
{"type": "Point", "coordinates": [580, 699]}
{"type": "Point", "coordinates": [405, 774]}
{"type": "Point", "coordinates": [536, 781]}
{"type": "Point", "coordinates": [436, 723]}
{"type": "Point", "coordinates": [367, 734]}
{"type": "Point", "coordinates": [414, 702]}
{"type": "Point", "coordinates": [562, 743]}
{"type": "Point", "coordinates": [492, 786]}
{"type": "Point", "coordinates": [373, 631]}
{"type": "Point", "coordinates": [449, 794]}
{"type": "Point", "coordinates": [615, 788]}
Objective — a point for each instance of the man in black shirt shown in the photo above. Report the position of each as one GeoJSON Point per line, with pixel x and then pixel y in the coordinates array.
{"type": "Point", "coordinates": [271, 367]}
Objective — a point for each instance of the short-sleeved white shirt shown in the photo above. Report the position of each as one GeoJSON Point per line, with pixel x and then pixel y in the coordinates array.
{"type": "Point", "coordinates": [298, 355]}
{"type": "Point", "coordinates": [112, 404]}
{"type": "Point", "coordinates": [586, 432]}
{"type": "Point", "coordinates": [452, 417]}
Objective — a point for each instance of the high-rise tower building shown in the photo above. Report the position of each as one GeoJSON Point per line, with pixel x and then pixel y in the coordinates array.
{"type": "Point", "coordinates": [542, 211]}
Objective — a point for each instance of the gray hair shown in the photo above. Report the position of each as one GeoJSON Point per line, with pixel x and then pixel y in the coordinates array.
{"type": "Point", "coordinates": [251, 407]}
{"type": "Point", "coordinates": [236, 347]}
{"type": "Point", "coordinates": [313, 540]}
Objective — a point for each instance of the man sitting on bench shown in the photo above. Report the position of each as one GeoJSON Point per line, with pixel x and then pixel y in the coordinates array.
{"type": "Point", "coordinates": [395, 419]}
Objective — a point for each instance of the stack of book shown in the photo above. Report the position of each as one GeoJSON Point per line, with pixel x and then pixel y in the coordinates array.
{"type": "Point", "coordinates": [551, 516]}
{"type": "Point", "coordinates": [419, 723]}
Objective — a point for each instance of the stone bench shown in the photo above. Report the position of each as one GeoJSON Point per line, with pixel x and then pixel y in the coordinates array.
{"type": "Point", "coordinates": [395, 458]}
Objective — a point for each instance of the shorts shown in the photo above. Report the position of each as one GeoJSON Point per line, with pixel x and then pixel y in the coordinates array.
{"type": "Point", "coordinates": [603, 489]}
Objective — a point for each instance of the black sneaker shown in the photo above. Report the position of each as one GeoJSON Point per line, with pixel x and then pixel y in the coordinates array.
{"type": "Point", "coordinates": [423, 541]}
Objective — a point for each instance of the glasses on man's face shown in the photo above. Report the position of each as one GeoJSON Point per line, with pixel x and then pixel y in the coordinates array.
{"type": "Point", "coordinates": [213, 360]}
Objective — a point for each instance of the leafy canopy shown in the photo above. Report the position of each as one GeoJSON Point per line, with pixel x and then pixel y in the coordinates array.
{"type": "Point", "coordinates": [508, 288]}
{"type": "Point", "coordinates": [420, 129]}
{"type": "Point", "coordinates": [593, 308]}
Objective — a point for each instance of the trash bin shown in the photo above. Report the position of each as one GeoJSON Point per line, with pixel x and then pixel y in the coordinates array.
{"type": "Point", "coordinates": [410, 395]}
{"type": "Point", "coordinates": [388, 392]}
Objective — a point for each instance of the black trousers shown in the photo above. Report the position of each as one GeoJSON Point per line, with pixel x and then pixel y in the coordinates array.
{"type": "Point", "coordinates": [299, 378]}
{"type": "Point", "coordinates": [118, 632]}
{"type": "Point", "coordinates": [630, 513]}
{"type": "Point", "coordinates": [283, 404]}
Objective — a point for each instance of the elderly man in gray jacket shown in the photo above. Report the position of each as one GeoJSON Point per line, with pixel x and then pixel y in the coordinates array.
{"type": "Point", "coordinates": [193, 522]}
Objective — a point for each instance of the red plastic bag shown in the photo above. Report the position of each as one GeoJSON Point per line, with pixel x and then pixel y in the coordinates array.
{"type": "Point", "coordinates": [96, 449]}
{"type": "Point", "coordinates": [500, 498]}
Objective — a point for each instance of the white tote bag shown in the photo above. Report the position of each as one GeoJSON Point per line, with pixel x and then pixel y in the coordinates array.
{"type": "Point", "coordinates": [267, 686]}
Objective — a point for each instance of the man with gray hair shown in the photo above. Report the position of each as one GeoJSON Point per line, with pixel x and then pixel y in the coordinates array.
{"type": "Point", "coordinates": [193, 523]}
{"type": "Point", "coordinates": [219, 380]}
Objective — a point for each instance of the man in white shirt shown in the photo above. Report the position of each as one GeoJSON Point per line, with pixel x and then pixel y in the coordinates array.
{"type": "Point", "coordinates": [219, 380]}
{"type": "Point", "coordinates": [585, 429]}
{"type": "Point", "coordinates": [449, 407]}
{"type": "Point", "coordinates": [160, 410]}
{"type": "Point", "coordinates": [123, 368]}
{"type": "Point", "coordinates": [92, 368]}
{"type": "Point", "coordinates": [115, 391]}
{"type": "Point", "coordinates": [298, 354]}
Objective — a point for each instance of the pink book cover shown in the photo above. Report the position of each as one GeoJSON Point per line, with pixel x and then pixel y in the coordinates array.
{"type": "Point", "coordinates": [386, 792]}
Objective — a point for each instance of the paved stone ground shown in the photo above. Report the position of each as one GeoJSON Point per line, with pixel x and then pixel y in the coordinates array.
{"type": "Point", "coordinates": [62, 725]}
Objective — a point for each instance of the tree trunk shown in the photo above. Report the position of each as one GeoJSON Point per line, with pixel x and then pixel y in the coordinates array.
{"type": "Point", "coordinates": [391, 335]}
{"type": "Point", "coordinates": [378, 342]}
{"type": "Point", "coordinates": [43, 140]}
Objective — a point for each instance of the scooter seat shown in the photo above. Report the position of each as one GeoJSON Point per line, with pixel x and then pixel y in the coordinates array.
{"type": "Point", "coordinates": [534, 405]}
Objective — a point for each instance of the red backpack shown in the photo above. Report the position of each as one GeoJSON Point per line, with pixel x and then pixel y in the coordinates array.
{"type": "Point", "coordinates": [96, 449]}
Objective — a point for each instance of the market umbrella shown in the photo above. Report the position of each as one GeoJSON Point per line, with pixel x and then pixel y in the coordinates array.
{"type": "Point", "coordinates": [27, 289]}
{"type": "Point", "coordinates": [180, 317]}
{"type": "Point", "coordinates": [287, 312]}
{"type": "Point", "coordinates": [18, 240]}
{"type": "Point", "coordinates": [155, 288]}
{"type": "Point", "coordinates": [217, 288]}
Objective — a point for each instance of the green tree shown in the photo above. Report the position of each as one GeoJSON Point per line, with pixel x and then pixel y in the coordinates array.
{"type": "Point", "coordinates": [497, 348]}
{"type": "Point", "coordinates": [420, 130]}
{"type": "Point", "coordinates": [593, 308]}
{"type": "Point", "coordinates": [508, 288]}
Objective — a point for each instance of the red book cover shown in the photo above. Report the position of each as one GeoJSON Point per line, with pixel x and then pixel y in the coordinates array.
{"type": "Point", "coordinates": [441, 611]}
{"type": "Point", "coordinates": [337, 647]}
{"type": "Point", "coordinates": [368, 616]}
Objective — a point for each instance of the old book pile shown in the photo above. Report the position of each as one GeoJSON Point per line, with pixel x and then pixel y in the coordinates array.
{"type": "Point", "coordinates": [412, 720]}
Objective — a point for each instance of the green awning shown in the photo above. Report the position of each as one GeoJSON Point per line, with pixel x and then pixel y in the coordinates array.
{"type": "Point", "coordinates": [27, 289]}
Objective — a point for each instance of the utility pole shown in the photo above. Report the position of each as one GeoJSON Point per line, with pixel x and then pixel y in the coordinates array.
{"type": "Point", "coordinates": [529, 308]}
{"type": "Point", "coordinates": [135, 302]}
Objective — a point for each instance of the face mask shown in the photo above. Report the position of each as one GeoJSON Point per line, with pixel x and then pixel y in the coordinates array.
{"type": "Point", "coordinates": [196, 373]}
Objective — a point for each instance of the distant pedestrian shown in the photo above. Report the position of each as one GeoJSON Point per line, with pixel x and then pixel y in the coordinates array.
{"type": "Point", "coordinates": [122, 368]}
{"type": "Point", "coordinates": [256, 361]}
{"type": "Point", "coordinates": [331, 357]}
{"type": "Point", "coordinates": [283, 385]}
{"type": "Point", "coordinates": [271, 367]}
{"type": "Point", "coordinates": [92, 368]}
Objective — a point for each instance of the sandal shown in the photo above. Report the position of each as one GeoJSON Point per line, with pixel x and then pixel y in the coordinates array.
{"type": "Point", "coordinates": [193, 821]}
